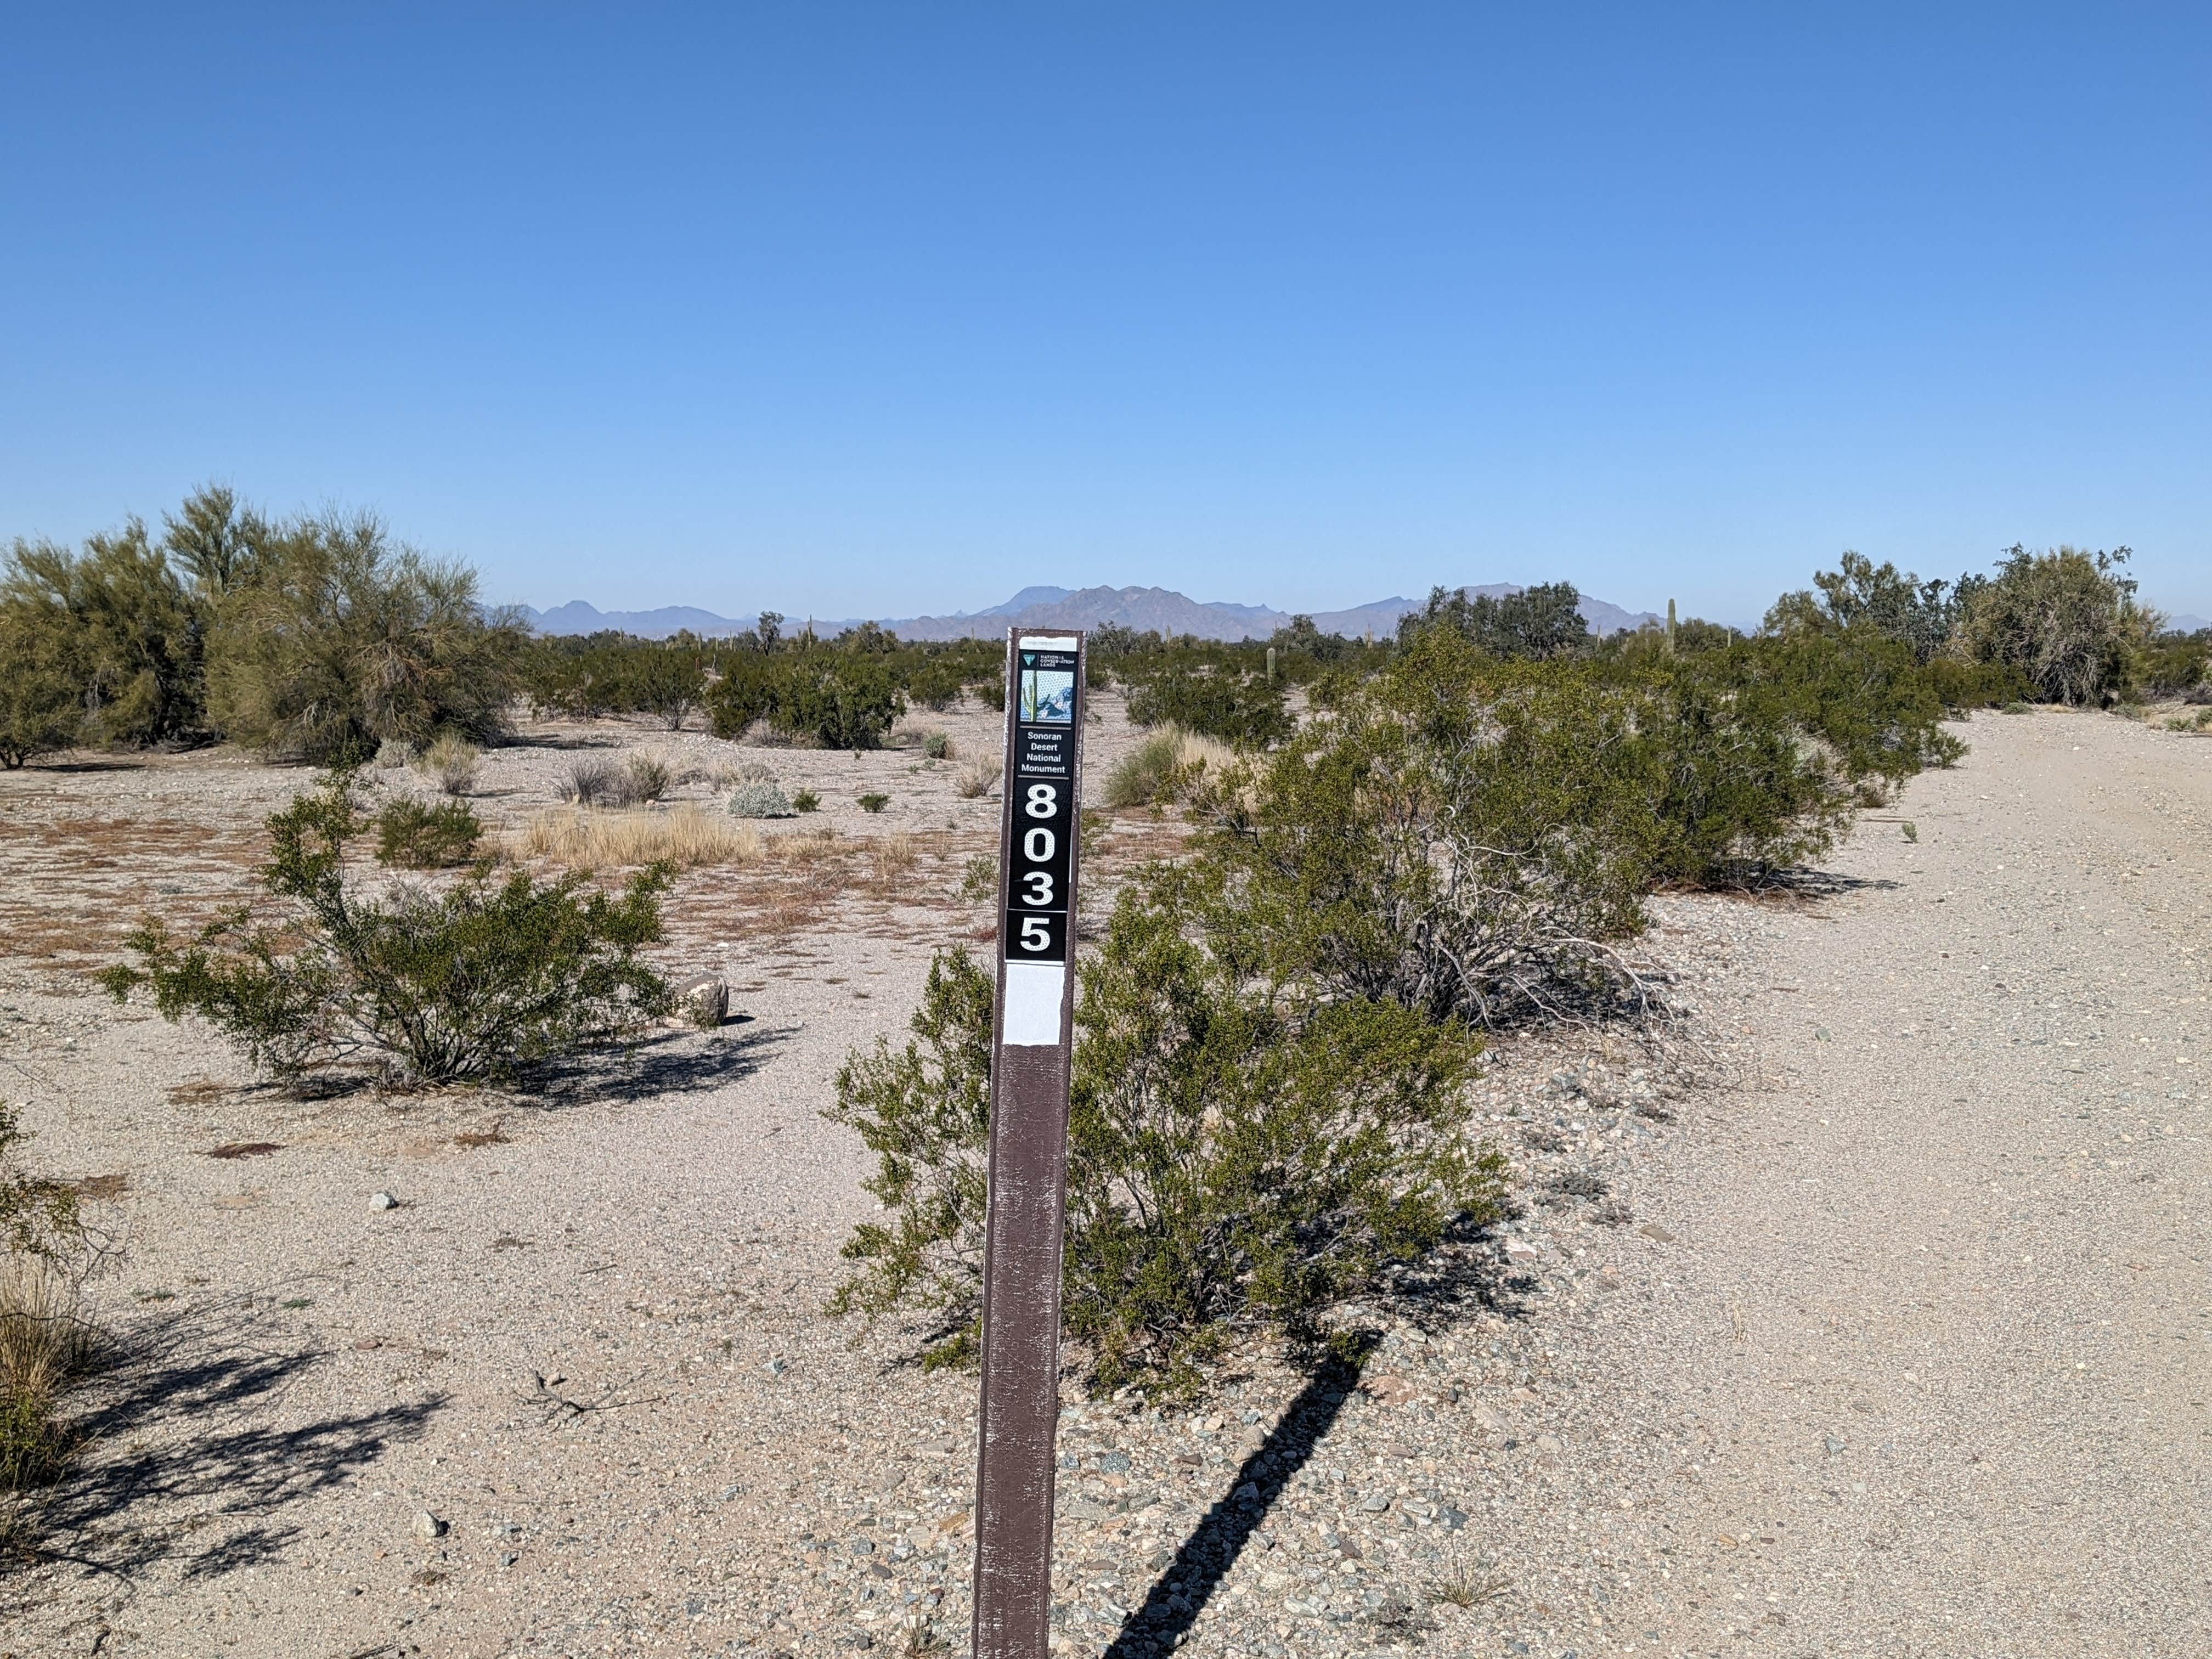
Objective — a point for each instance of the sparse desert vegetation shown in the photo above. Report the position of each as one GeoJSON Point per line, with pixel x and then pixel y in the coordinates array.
{"type": "Point", "coordinates": [1385, 1008]}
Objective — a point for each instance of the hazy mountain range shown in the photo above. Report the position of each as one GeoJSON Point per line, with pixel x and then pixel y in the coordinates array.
{"type": "Point", "coordinates": [1143, 609]}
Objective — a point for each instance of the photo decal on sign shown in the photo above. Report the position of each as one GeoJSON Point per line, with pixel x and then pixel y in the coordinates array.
{"type": "Point", "coordinates": [1048, 696]}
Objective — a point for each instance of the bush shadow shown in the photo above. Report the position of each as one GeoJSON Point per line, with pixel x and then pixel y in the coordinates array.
{"type": "Point", "coordinates": [189, 1416]}
{"type": "Point", "coordinates": [670, 1063]}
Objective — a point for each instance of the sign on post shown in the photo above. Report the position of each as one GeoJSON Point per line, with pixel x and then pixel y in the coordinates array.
{"type": "Point", "coordinates": [1032, 1054]}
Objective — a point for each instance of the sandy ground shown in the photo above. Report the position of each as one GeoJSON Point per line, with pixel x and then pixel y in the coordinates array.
{"type": "Point", "coordinates": [1879, 1325]}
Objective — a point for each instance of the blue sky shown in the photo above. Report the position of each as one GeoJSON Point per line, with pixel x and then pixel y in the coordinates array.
{"type": "Point", "coordinates": [844, 310]}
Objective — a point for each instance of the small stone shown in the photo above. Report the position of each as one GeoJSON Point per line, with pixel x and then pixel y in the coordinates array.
{"type": "Point", "coordinates": [1377, 1503]}
{"type": "Point", "coordinates": [1833, 1445]}
{"type": "Point", "coordinates": [509, 1560]}
{"type": "Point", "coordinates": [1455, 1519]}
{"type": "Point", "coordinates": [1652, 1229]}
{"type": "Point", "coordinates": [382, 1201]}
{"type": "Point", "coordinates": [429, 1526]}
{"type": "Point", "coordinates": [777, 1367]}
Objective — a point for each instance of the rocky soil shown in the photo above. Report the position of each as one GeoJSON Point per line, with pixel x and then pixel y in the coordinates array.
{"type": "Point", "coordinates": [1866, 1316]}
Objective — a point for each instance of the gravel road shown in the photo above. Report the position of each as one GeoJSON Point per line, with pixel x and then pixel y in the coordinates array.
{"type": "Point", "coordinates": [1873, 1322]}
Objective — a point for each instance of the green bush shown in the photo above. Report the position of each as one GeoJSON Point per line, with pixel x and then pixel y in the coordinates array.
{"type": "Point", "coordinates": [439, 986]}
{"type": "Point", "coordinates": [341, 641]}
{"type": "Point", "coordinates": [1145, 775]}
{"type": "Point", "coordinates": [114, 624]}
{"type": "Point", "coordinates": [832, 698]}
{"type": "Point", "coordinates": [412, 836]}
{"type": "Point", "coordinates": [874, 801]}
{"type": "Point", "coordinates": [1464, 837]}
{"type": "Point", "coordinates": [42, 688]}
{"type": "Point", "coordinates": [1876, 600]}
{"type": "Point", "coordinates": [807, 801]}
{"type": "Point", "coordinates": [2066, 621]}
{"type": "Point", "coordinates": [1962, 686]}
{"type": "Point", "coordinates": [1242, 1157]}
{"type": "Point", "coordinates": [2177, 665]}
{"type": "Point", "coordinates": [1222, 703]}
{"type": "Point", "coordinates": [1536, 624]}
{"type": "Point", "coordinates": [1761, 752]}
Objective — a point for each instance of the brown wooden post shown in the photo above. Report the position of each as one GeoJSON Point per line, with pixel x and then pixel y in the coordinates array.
{"type": "Point", "coordinates": [1039, 848]}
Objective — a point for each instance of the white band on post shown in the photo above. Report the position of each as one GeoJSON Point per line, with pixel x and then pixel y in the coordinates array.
{"type": "Point", "coordinates": [1034, 992]}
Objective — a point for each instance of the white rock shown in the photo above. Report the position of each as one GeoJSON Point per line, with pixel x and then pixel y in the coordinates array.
{"type": "Point", "coordinates": [383, 1201]}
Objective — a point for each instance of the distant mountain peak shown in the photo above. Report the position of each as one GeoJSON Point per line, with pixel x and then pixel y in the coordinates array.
{"type": "Point", "coordinates": [1144, 610]}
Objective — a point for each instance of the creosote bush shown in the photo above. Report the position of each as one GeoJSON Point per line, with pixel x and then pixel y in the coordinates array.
{"type": "Point", "coordinates": [1243, 1156]}
{"type": "Point", "coordinates": [412, 836]}
{"type": "Point", "coordinates": [1215, 702]}
{"type": "Point", "coordinates": [471, 982]}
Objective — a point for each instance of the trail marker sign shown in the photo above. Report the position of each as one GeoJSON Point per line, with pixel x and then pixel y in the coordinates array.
{"type": "Point", "coordinates": [1031, 1053]}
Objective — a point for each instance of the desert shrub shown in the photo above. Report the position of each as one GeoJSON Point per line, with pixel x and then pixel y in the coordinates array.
{"type": "Point", "coordinates": [1242, 1157]}
{"type": "Point", "coordinates": [1465, 838]}
{"type": "Point", "coordinates": [1878, 600]}
{"type": "Point", "coordinates": [978, 778]}
{"type": "Point", "coordinates": [1536, 623]}
{"type": "Point", "coordinates": [1962, 685]}
{"type": "Point", "coordinates": [451, 762]}
{"type": "Point", "coordinates": [41, 686]}
{"type": "Point", "coordinates": [1222, 703]}
{"type": "Point", "coordinates": [2066, 621]}
{"type": "Point", "coordinates": [667, 681]}
{"type": "Point", "coordinates": [439, 986]}
{"type": "Point", "coordinates": [650, 776]}
{"type": "Point", "coordinates": [838, 700]}
{"type": "Point", "coordinates": [392, 754]}
{"type": "Point", "coordinates": [874, 801]}
{"type": "Point", "coordinates": [1761, 752]}
{"type": "Point", "coordinates": [1144, 776]}
{"type": "Point", "coordinates": [413, 836]}
{"type": "Point", "coordinates": [116, 625]}
{"type": "Point", "coordinates": [979, 879]}
{"type": "Point", "coordinates": [1163, 768]}
{"type": "Point", "coordinates": [935, 684]}
{"type": "Point", "coordinates": [807, 801]}
{"type": "Point", "coordinates": [342, 640]}
{"type": "Point", "coordinates": [833, 698]}
{"type": "Point", "coordinates": [937, 745]}
{"type": "Point", "coordinates": [2177, 665]}
{"type": "Point", "coordinates": [46, 1341]}
{"type": "Point", "coordinates": [759, 800]}
{"type": "Point", "coordinates": [596, 781]}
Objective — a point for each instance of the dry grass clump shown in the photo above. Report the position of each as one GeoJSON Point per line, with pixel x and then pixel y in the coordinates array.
{"type": "Point", "coordinates": [810, 846]}
{"type": "Point", "coordinates": [45, 1344]}
{"type": "Point", "coordinates": [978, 778]}
{"type": "Point", "coordinates": [600, 780]}
{"type": "Point", "coordinates": [451, 761]}
{"type": "Point", "coordinates": [601, 838]}
{"type": "Point", "coordinates": [1162, 769]}
{"type": "Point", "coordinates": [891, 861]}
